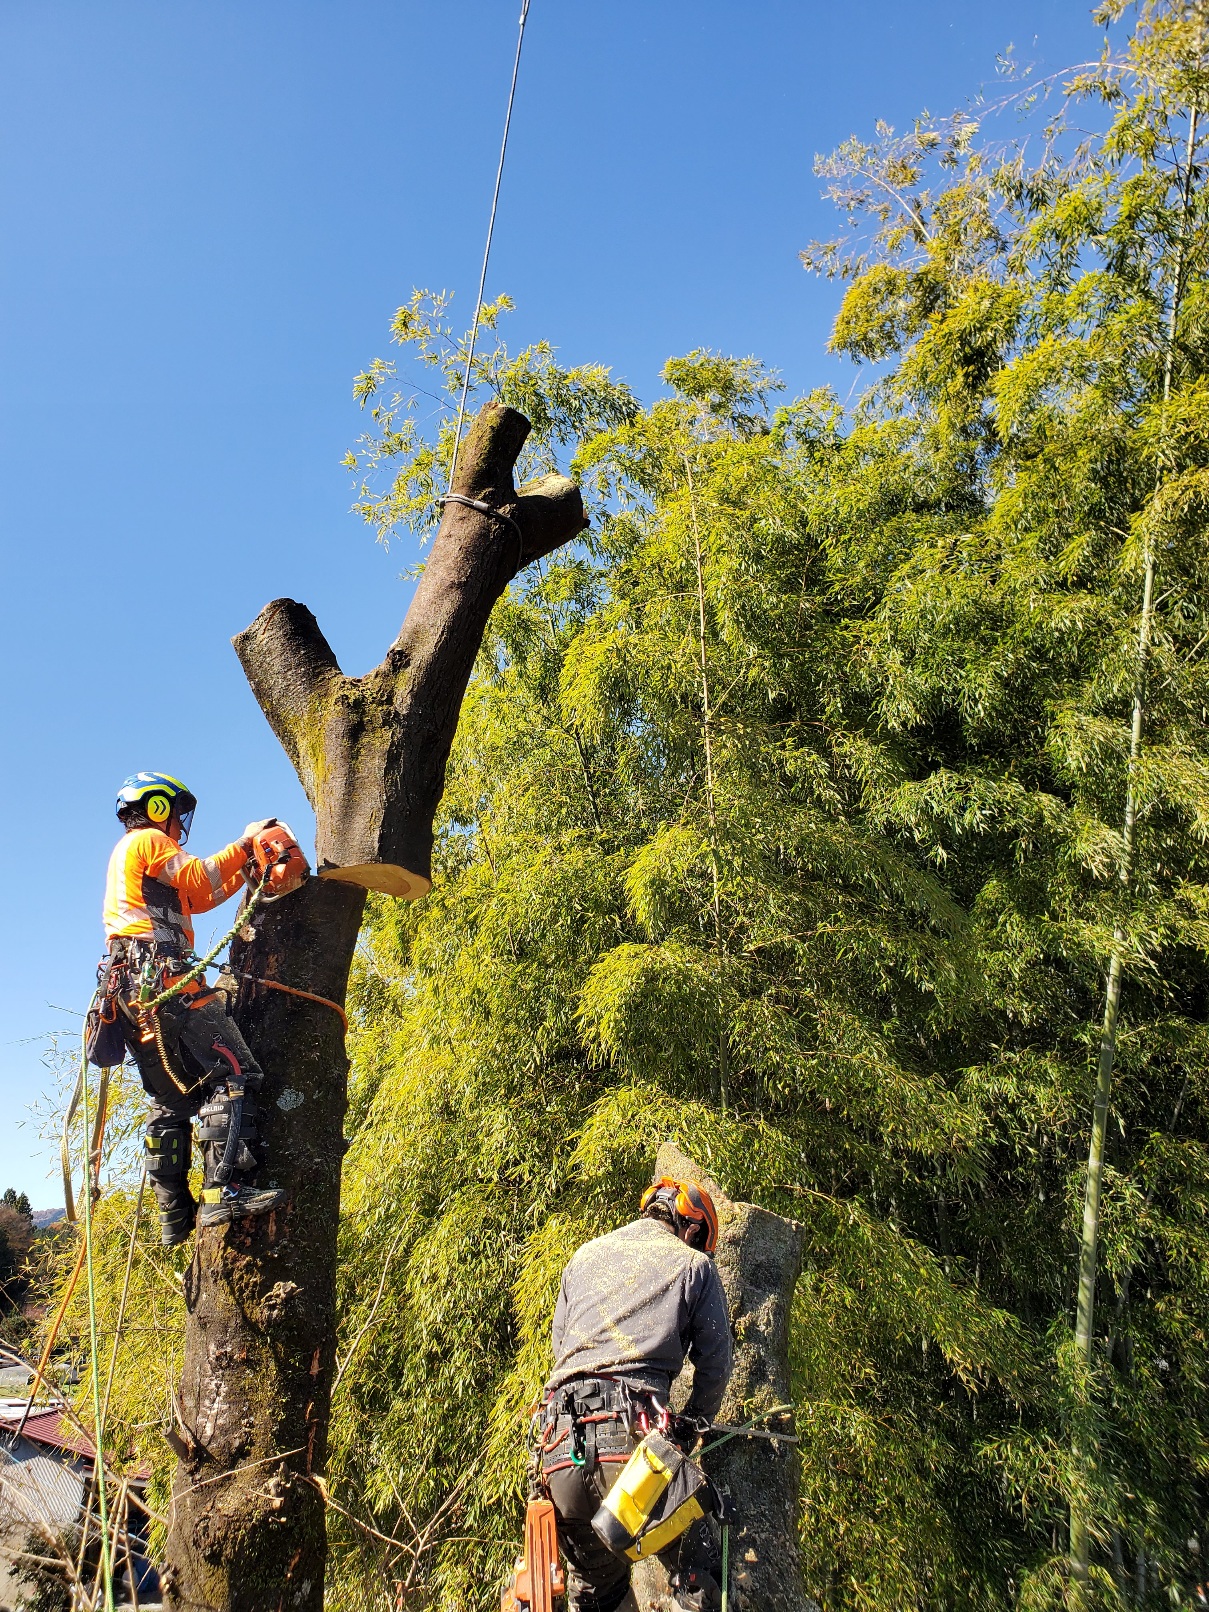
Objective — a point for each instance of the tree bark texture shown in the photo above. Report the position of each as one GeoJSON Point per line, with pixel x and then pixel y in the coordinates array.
{"type": "Point", "coordinates": [759, 1259]}
{"type": "Point", "coordinates": [246, 1532]}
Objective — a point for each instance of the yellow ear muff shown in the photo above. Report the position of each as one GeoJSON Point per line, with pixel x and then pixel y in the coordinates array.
{"type": "Point", "coordinates": [158, 808]}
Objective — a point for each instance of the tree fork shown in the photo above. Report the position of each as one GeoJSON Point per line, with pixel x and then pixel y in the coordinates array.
{"type": "Point", "coordinates": [246, 1532]}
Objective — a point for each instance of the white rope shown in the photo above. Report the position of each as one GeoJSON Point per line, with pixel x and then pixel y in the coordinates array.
{"type": "Point", "coordinates": [499, 175]}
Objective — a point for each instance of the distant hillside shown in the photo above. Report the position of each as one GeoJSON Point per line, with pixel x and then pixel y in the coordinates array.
{"type": "Point", "coordinates": [47, 1217]}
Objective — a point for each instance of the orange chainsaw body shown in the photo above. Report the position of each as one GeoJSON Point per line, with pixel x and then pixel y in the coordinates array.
{"type": "Point", "coordinates": [539, 1580]}
{"type": "Point", "coordinates": [278, 853]}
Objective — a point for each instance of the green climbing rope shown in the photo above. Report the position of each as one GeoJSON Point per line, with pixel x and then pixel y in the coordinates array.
{"type": "Point", "coordinates": [200, 967]}
{"type": "Point", "coordinates": [736, 1432]}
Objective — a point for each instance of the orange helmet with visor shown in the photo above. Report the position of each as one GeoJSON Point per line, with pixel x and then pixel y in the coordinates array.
{"type": "Point", "coordinates": [688, 1203]}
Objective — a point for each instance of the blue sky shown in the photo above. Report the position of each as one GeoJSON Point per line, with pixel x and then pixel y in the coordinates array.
{"type": "Point", "coordinates": [210, 212]}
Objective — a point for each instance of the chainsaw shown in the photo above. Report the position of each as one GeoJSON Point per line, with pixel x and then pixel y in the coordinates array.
{"type": "Point", "coordinates": [278, 857]}
{"type": "Point", "coordinates": [538, 1582]}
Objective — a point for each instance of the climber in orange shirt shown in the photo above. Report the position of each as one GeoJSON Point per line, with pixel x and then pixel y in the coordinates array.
{"type": "Point", "coordinates": [191, 1057]}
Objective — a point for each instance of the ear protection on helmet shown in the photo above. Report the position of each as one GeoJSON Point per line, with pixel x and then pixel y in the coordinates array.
{"type": "Point", "coordinates": [688, 1202]}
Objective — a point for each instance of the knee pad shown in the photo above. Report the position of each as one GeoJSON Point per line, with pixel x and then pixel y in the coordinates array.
{"type": "Point", "coordinates": [167, 1145]}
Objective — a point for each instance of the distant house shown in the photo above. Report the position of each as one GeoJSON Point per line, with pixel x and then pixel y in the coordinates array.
{"type": "Point", "coordinates": [46, 1481]}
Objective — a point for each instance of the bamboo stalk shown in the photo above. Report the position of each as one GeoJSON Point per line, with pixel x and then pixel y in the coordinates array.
{"type": "Point", "coordinates": [1080, 1520]}
{"type": "Point", "coordinates": [710, 804]}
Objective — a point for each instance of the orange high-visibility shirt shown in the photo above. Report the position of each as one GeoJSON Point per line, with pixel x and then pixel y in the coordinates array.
{"type": "Point", "coordinates": [153, 886]}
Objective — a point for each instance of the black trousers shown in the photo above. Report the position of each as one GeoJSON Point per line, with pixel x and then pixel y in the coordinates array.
{"type": "Point", "coordinates": [598, 1581]}
{"type": "Point", "coordinates": [206, 1049]}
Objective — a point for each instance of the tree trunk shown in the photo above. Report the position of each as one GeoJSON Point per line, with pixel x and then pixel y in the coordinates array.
{"type": "Point", "coordinates": [247, 1530]}
{"type": "Point", "coordinates": [247, 1527]}
{"type": "Point", "coordinates": [759, 1257]}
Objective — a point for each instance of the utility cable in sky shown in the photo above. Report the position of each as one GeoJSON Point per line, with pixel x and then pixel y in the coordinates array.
{"type": "Point", "coordinates": [478, 303]}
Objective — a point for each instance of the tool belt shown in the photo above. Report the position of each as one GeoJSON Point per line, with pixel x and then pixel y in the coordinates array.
{"type": "Point", "coordinates": [129, 964]}
{"type": "Point", "coordinates": [593, 1421]}
{"type": "Point", "coordinates": [105, 1032]}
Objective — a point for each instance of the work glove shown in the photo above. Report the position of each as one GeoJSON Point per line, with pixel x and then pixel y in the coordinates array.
{"type": "Point", "coordinates": [249, 833]}
{"type": "Point", "coordinates": [687, 1431]}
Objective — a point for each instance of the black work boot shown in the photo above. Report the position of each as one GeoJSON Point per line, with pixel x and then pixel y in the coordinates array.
{"type": "Point", "coordinates": [221, 1205]}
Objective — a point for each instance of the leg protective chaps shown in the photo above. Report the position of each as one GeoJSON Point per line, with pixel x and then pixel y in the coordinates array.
{"type": "Point", "coordinates": [168, 1143]}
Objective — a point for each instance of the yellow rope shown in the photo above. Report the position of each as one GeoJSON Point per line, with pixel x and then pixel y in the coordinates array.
{"type": "Point", "coordinates": [117, 1330]}
{"type": "Point", "coordinates": [52, 1337]}
{"type": "Point", "coordinates": [99, 1461]}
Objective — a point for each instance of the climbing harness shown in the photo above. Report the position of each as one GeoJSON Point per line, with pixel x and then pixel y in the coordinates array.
{"type": "Point", "coordinates": [573, 1415]}
{"type": "Point", "coordinates": [660, 1491]}
{"type": "Point", "coordinates": [495, 198]}
{"type": "Point", "coordinates": [146, 1007]}
{"type": "Point", "coordinates": [151, 1004]}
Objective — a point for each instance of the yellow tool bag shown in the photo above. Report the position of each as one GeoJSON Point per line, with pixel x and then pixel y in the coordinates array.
{"type": "Point", "coordinates": [658, 1493]}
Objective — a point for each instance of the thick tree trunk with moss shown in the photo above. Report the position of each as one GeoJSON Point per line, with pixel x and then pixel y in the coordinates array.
{"type": "Point", "coordinates": [759, 1259]}
{"type": "Point", "coordinates": [247, 1525]}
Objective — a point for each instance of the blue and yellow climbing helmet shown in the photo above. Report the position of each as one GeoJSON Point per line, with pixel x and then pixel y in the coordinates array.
{"type": "Point", "coordinates": [155, 796]}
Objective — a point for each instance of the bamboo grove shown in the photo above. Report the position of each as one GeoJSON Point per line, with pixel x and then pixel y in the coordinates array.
{"type": "Point", "coordinates": [805, 813]}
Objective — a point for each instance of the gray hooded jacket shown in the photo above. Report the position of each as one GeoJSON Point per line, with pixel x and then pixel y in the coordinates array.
{"type": "Point", "coordinates": [633, 1304]}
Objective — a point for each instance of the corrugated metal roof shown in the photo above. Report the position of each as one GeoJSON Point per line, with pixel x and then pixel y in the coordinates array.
{"type": "Point", "coordinates": [39, 1488]}
{"type": "Point", "coordinates": [49, 1427]}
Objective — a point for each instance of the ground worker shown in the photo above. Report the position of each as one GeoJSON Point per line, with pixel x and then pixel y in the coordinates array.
{"type": "Point", "coordinates": [191, 1057]}
{"type": "Point", "coordinates": [631, 1306]}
